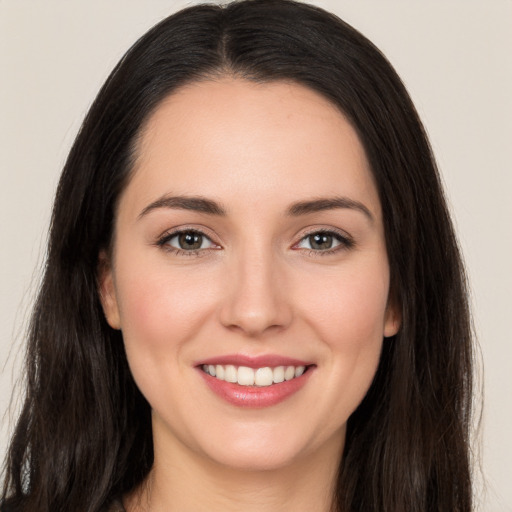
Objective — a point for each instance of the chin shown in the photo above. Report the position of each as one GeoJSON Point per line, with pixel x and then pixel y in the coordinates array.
{"type": "Point", "coordinates": [261, 451]}
{"type": "Point", "coordinates": [255, 461]}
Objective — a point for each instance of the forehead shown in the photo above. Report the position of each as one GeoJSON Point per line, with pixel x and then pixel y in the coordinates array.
{"type": "Point", "coordinates": [214, 138]}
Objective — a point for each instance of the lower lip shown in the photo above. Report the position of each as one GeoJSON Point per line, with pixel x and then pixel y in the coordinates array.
{"type": "Point", "coordinates": [255, 396]}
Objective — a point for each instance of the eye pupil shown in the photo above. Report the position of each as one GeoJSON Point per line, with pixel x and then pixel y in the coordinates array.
{"type": "Point", "coordinates": [321, 241]}
{"type": "Point", "coordinates": [190, 241]}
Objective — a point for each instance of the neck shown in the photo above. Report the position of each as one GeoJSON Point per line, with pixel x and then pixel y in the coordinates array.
{"type": "Point", "coordinates": [188, 482]}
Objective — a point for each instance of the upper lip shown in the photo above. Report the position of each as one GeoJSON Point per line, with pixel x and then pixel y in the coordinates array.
{"type": "Point", "coordinates": [262, 361]}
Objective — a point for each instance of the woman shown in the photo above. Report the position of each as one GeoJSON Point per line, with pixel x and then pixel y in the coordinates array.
{"type": "Point", "coordinates": [253, 297]}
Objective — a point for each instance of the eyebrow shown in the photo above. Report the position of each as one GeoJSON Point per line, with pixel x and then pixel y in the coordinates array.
{"type": "Point", "coordinates": [210, 207]}
{"type": "Point", "coordinates": [330, 203]}
{"type": "Point", "coordinates": [194, 203]}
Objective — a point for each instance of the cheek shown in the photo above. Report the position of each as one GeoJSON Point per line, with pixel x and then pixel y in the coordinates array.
{"type": "Point", "coordinates": [349, 308]}
{"type": "Point", "coordinates": [348, 317]}
{"type": "Point", "coordinates": [161, 313]}
{"type": "Point", "coordinates": [161, 309]}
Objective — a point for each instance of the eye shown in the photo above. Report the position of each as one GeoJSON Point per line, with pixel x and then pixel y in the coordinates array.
{"type": "Point", "coordinates": [189, 240]}
{"type": "Point", "coordinates": [324, 241]}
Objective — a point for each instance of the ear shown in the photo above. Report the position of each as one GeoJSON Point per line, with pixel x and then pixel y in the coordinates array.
{"type": "Point", "coordinates": [393, 318]}
{"type": "Point", "coordinates": [107, 292]}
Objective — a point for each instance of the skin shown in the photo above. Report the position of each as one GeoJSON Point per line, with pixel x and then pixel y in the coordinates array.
{"type": "Point", "coordinates": [255, 287]}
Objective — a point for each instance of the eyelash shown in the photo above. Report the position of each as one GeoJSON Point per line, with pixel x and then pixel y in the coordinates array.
{"type": "Point", "coordinates": [163, 242]}
{"type": "Point", "coordinates": [345, 242]}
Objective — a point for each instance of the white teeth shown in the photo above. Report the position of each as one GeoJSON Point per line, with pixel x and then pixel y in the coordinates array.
{"type": "Point", "coordinates": [245, 376]}
{"type": "Point", "coordinates": [299, 371]}
{"type": "Point", "coordinates": [219, 372]}
{"type": "Point", "coordinates": [264, 376]}
{"type": "Point", "coordinates": [278, 374]}
{"type": "Point", "coordinates": [230, 373]}
{"type": "Point", "coordinates": [289, 373]}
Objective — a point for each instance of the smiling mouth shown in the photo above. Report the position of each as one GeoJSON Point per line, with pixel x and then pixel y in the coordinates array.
{"type": "Point", "coordinates": [260, 377]}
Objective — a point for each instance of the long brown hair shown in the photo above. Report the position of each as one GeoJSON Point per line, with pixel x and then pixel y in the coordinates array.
{"type": "Point", "coordinates": [84, 433]}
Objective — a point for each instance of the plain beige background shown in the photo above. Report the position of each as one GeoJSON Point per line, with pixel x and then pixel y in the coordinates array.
{"type": "Point", "coordinates": [455, 58]}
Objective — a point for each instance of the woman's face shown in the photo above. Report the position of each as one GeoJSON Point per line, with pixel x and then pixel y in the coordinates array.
{"type": "Point", "coordinates": [249, 243]}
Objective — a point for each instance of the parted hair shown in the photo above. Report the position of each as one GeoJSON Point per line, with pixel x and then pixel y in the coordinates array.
{"type": "Point", "coordinates": [84, 432]}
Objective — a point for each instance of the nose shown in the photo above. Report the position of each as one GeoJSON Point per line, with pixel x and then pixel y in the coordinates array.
{"type": "Point", "coordinates": [256, 300]}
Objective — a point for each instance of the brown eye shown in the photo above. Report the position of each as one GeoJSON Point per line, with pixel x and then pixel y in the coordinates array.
{"type": "Point", "coordinates": [321, 241]}
{"type": "Point", "coordinates": [324, 241]}
{"type": "Point", "coordinates": [188, 241]}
